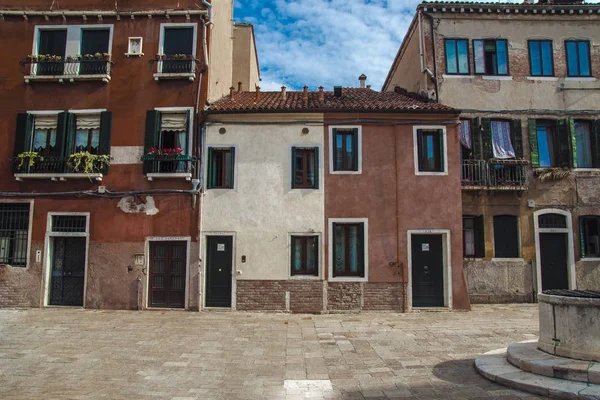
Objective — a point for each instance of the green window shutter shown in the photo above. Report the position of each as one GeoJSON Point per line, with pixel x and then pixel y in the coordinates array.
{"type": "Point", "coordinates": [476, 139]}
{"type": "Point", "coordinates": [516, 137]}
{"type": "Point", "coordinates": [361, 249]}
{"type": "Point", "coordinates": [581, 236]}
{"type": "Point", "coordinates": [105, 136]}
{"type": "Point", "coordinates": [441, 139]}
{"type": "Point", "coordinates": [209, 169]}
{"type": "Point", "coordinates": [190, 130]}
{"type": "Point", "coordinates": [563, 143]}
{"type": "Point", "coordinates": [333, 145]}
{"type": "Point", "coordinates": [151, 136]}
{"type": "Point", "coordinates": [61, 133]}
{"type": "Point", "coordinates": [232, 167]}
{"type": "Point", "coordinates": [420, 150]}
{"type": "Point", "coordinates": [293, 167]}
{"type": "Point", "coordinates": [533, 143]}
{"type": "Point", "coordinates": [486, 139]}
{"type": "Point", "coordinates": [69, 143]}
{"type": "Point", "coordinates": [355, 150]}
{"type": "Point", "coordinates": [479, 237]}
{"type": "Point", "coordinates": [596, 143]}
{"type": "Point", "coordinates": [23, 133]}
{"type": "Point", "coordinates": [316, 168]}
{"type": "Point", "coordinates": [573, 140]}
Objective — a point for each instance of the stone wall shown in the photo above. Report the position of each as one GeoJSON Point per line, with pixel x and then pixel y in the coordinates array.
{"type": "Point", "coordinates": [499, 281]}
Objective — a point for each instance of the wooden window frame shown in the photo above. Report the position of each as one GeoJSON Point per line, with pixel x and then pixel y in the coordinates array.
{"type": "Point", "coordinates": [210, 165]}
{"type": "Point", "coordinates": [88, 148]}
{"type": "Point", "coordinates": [305, 151]}
{"type": "Point", "coordinates": [360, 273]}
{"type": "Point", "coordinates": [486, 72]}
{"type": "Point", "coordinates": [496, 238]}
{"type": "Point", "coordinates": [345, 134]}
{"type": "Point", "coordinates": [540, 41]}
{"type": "Point", "coordinates": [304, 243]}
{"type": "Point", "coordinates": [583, 234]}
{"type": "Point", "coordinates": [589, 48]}
{"type": "Point", "coordinates": [456, 40]}
{"type": "Point", "coordinates": [478, 236]}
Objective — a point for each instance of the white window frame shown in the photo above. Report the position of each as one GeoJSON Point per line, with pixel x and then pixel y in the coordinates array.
{"type": "Point", "coordinates": [330, 223]}
{"type": "Point", "coordinates": [235, 167]}
{"type": "Point", "coordinates": [74, 33]}
{"type": "Point", "coordinates": [130, 42]}
{"type": "Point", "coordinates": [416, 149]}
{"type": "Point", "coordinates": [31, 205]}
{"type": "Point", "coordinates": [162, 39]}
{"type": "Point", "coordinates": [332, 146]}
{"type": "Point", "coordinates": [291, 168]}
{"type": "Point", "coordinates": [47, 267]}
{"type": "Point", "coordinates": [317, 277]}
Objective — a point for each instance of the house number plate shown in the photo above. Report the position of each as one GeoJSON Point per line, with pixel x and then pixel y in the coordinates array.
{"type": "Point", "coordinates": [220, 246]}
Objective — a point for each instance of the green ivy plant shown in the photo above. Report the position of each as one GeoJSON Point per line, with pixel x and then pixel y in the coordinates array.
{"type": "Point", "coordinates": [87, 163]}
{"type": "Point", "coordinates": [28, 159]}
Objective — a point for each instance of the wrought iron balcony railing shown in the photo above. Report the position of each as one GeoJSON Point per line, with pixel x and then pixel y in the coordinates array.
{"type": "Point", "coordinates": [494, 174]}
{"type": "Point", "coordinates": [154, 164]}
{"type": "Point", "coordinates": [69, 68]}
{"type": "Point", "coordinates": [52, 165]}
{"type": "Point", "coordinates": [177, 66]}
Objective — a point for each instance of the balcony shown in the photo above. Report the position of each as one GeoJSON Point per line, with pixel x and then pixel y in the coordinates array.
{"type": "Point", "coordinates": [55, 169]}
{"type": "Point", "coordinates": [56, 69]}
{"type": "Point", "coordinates": [177, 66]}
{"type": "Point", "coordinates": [494, 175]}
{"type": "Point", "coordinates": [157, 167]}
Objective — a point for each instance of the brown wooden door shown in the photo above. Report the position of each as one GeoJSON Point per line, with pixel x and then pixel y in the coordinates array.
{"type": "Point", "coordinates": [168, 261]}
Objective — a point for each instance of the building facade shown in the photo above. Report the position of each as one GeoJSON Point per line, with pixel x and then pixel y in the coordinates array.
{"type": "Point", "coordinates": [526, 79]}
{"type": "Point", "coordinates": [100, 169]}
{"type": "Point", "coordinates": [321, 202]}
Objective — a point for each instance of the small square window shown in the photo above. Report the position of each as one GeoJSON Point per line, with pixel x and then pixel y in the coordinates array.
{"type": "Point", "coordinates": [578, 58]}
{"type": "Point", "coordinates": [221, 162]}
{"type": "Point", "coordinates": [305, 255]}
{"type": "Point", "coordinates": [305, 168]}
{"type": "Point", "coordinates": [135, 46]}
{"type": "Point", "coordinates": [430, 146]}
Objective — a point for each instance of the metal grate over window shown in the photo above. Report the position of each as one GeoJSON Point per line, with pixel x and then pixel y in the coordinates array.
{"type": "Point", "coordinates": [68, 223]}
{"type": "Point", "coordinates": [14, 228]}
{"type": "Point", "coordinates": [552, 221]}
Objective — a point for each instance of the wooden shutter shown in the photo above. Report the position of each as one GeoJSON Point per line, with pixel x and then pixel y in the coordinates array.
{"type": "Point", "coordinates": [151, 137]}
{"type": "Point", "coordinates": [486, 138]}
{"type": "Point", "coordinates": [69, 136]}
{"type": "Point", "coordinates": [61, 133]}
{"type": "Point", "coordinates": [188, 118]}
{"type": "Point", "coordinates": [582, 236]}
{"type": "Point", "coordinates": [476, 139]}
{"type": "Point", "coordinates": [533, 143]}
{"type": "Point", "coordinates": [316, 168]}
{"type": "Point", "coordinates": [105, 132]}
{"type": "Point", "coordinates": [232, 167]}
{"type": "Point", "coordinates": [420, 149]}
{"type": "Point", "coordinates": [361, 249]}
{"type": "Point", "coordinates": [595, 143]}
{"type": "Point", "coordinates": [293, 167]}
{"type": "Point", "coordinates": [355, 149]}
{"type": "Point", "coordinates": [573, 141]}
{"type": "Point", "coordinates": [563, 140]}
{"type": "Point", "coordinates": [23, 133]}
{"type": "Point", "coordinates": [516, 137]}
{"type": "Point", "coordinates": [479, 237]}
{"type": "Point", "coordinates": [209, 169]}
{"type": "Point", "coordinates": [506, 236]}
{"type": "Point", "coordinates": [441, 139]}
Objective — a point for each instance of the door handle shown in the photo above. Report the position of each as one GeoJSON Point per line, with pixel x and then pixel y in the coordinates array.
{"type": "Point", "coordinates": [426, 269]}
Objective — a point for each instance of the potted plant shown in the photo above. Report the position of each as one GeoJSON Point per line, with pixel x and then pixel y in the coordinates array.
{"type": "Point", "coordinates": [87, 163]}
{"type": "Point", "coordinates": [106, 56]}
{"type": "Point", "coordinates": [31, 58]}
{"type": "Point", "coordinates": [26, 160]}
{"type": "Point", "coordinates": [69, 58]}
{"type": "Point", "coordinates": [42, 57]}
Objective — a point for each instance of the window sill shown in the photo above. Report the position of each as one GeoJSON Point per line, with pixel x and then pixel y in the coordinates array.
{"type": "Point", "coordinates": [178, 175]}
{"type": "Point", "coordinates": [457, 76]}
{"type": "Point", "coordinates": [134, 55]}
{"type": "Point", "coordinates": [586, 169]}
{"type": "Point", "coordinates": [165, 76]}
{"type": "Point", "coordinates": [59, 177]}
{"type": "Point", "coordinates": [345, 172]}
{"type": "Point", "coordinates": [473, 259]}
{"type": "Point", "coordinates": [496, 78]}
{"type": "Point", "coordinates": [580, 79]}
{"type": "Point", "coordinates": [515, 259]}
{"type": "Point", "coordinates": [348, 279]}
{"type": "Point", "coordinates": [303, 190]}
{"type": "Point", "coordinates": [592, 259]}
{"type": "Point", "coordinates": [431, 173]}
{"type": "Point", "coordinates": [305, 278]}
{"type": "Point", "coordinates": [67, 78]}
{"type": "Point", "coordinates": [542, 78]}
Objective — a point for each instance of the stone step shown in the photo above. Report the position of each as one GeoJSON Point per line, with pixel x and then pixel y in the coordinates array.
{"type": "Point", "coordinates": [527, 357]}
{"type": "Point", "coordinates": [495, 367]}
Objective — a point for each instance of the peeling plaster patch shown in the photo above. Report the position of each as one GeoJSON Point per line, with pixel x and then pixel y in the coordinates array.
{"type": "Point", "coordinates": [133, 205]}
{"type": "Point", "coordinates": [126, 154]}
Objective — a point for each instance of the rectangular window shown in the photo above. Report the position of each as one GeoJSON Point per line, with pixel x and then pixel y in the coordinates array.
{"type": "Point", "coordinates": [87, 133]}
{"type": "Point", "coordinates": [491, 57]}
{"type": "Point", "coordinates": [430, 145]}
{"type": "Point", "coordinates": [506, 236]}
{"type": "Point", "coordinates": [305, 168]}
{"type": "Point", "coordinates": [44, 135]}
{"type": "Point", "coordinates": [221, 167]}
{"type": "Point", "coordinates": [345, 149]}
{"type": "Point", "coordinates": [178, 47]}
{"type": "Point", "coordinates": [167, 140]}
{"type": "Point", "coordinates": [14, 229]}
{"type": "Point", "coordinates": [305, 255]}
{"type": "Point", "coordinates": [578, 58]}
{"type": "Point", "coordinates": [541, 61]}
{"type": "Point", "coordinates": [94, 42]}
{"type": "Point", "coordinates": [473, 237]}
{"type": "Point", "coordinates": [348, 250]}
{"type": "Point", "coordinates": [457, 56]}
{"type": "Point", "coordinates": [52, 43]}
{"type": "Point", "coordinates": [589, 228]}
{"type": "Point", "coordinates": [583, 144]}
{"type": "Point", "coordinates": [546, 144]}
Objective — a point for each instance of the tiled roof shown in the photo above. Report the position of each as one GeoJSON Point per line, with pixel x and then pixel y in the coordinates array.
{"type": "Point", "coordinates": [352, 99]}
{"type": "Point", "coordinates": [571, 7]}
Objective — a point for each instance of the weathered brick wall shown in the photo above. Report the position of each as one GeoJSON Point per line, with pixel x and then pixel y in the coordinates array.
{"type": "Point", "coordinates": [383, 296]}
{"type": "Point", "coordinates": [344, 296]}
{"type": "Point", "coordinates": [21, 287]}
{"type": "Point", "coordinates": [305, 296]}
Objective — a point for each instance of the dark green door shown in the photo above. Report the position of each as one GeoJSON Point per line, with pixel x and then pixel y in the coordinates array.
{"type": "Point", "coordinates": [68, 271]}
{"type": "Point", "coordinates": [218, 271]}
{"type": "Point", "coordinates": [427, 271]}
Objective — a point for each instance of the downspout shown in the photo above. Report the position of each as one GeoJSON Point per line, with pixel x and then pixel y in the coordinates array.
{"type": "Point", "coordinates": [403, 279]}
{"type": "Point", "coordinates": [210, 10]}
{"type": "Point", "coordinates": [435, 80]}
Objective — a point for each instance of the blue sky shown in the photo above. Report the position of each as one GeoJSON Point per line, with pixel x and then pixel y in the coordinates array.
{"type": "Point", "coordinates": [326, 42]}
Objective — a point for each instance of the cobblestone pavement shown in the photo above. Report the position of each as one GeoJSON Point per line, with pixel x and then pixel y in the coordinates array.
{"type": "Point", "coordinates": [84, 354]}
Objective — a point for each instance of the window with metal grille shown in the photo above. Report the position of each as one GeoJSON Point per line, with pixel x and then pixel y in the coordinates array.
{"type": "Point", "coordinates": [552, 221]}
{"type": "Point", "coordinates": [68, 223]}
{"type": "Point", "coordinates": [14, 229]}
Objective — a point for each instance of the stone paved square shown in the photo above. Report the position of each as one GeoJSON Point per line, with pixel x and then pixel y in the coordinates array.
{"type": "Point", "coordinates": [63, 353]}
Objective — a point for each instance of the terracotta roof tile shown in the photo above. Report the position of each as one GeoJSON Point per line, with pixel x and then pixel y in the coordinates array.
{"type": "Point", "coordinates": [352, 99]}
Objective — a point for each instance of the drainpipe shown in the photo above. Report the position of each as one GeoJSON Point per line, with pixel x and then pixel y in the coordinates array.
{"type": "Point", "coordinates": [210, 10]}
{"type": "Point", "coordinates": [403, 279]}
{"type": "Point", "coordinates": [435, 80]}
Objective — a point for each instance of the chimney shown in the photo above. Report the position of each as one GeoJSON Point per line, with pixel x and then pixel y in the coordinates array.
{"type": "Point", "coordinates": [305, 93]}
{"type": "Point", "coordinates": [283, 93]}
{"type": "Point", "coordinates": [231, 92]}
{"type": "Point", "coordinates": [337, 91]}
{"type": "Point", "coordinates": [362, 79]}
{"type": "Point", "coordinates": [257, 94]}
{"type": "Point", "coordinates": [321, 94]}
{"type": "Point", "coordinates": [368, 86]}
{"type": "Point", "coordinates": [239, 87]}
